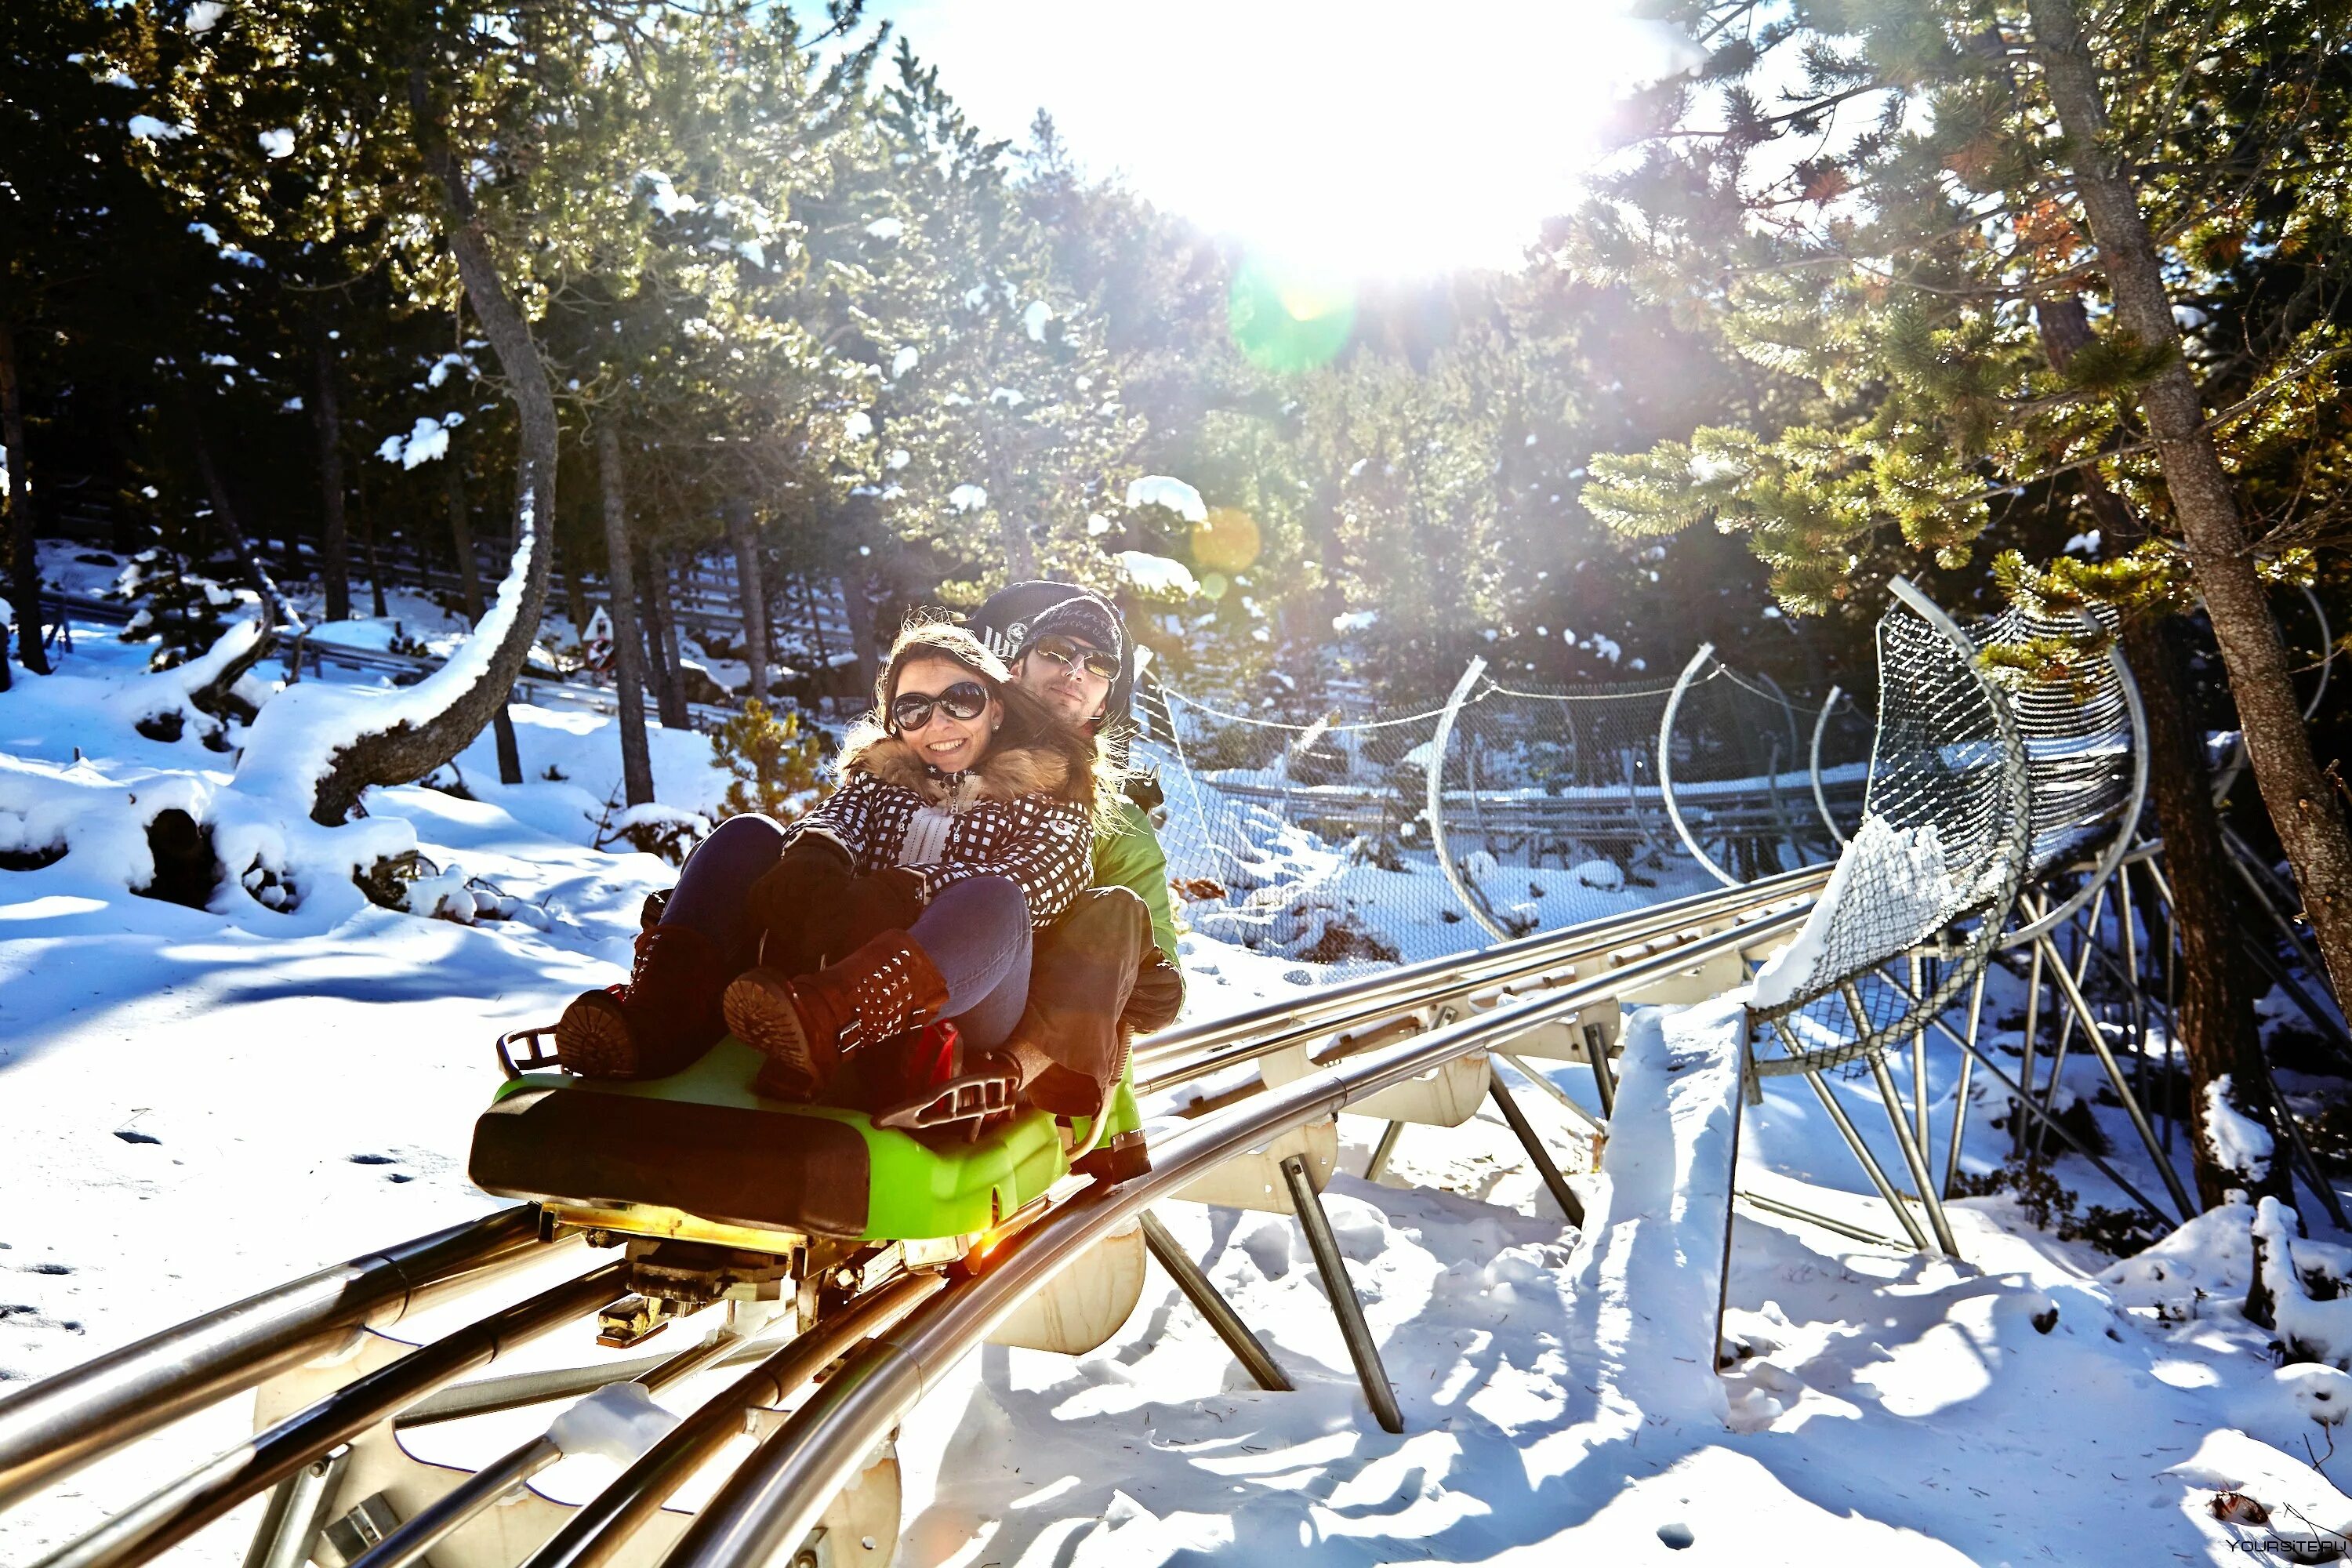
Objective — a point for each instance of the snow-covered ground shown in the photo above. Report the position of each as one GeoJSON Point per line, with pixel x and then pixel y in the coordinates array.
{"type": "Point", "coordinates": [195, 1104]}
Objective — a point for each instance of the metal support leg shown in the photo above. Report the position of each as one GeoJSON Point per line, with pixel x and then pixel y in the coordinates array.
{"type": "Point", "coordinates": [1202, 1292]}
{"type": "Point", "coordinates": [2066, 1023]}
{"type": "Point", "coordinates": [1555, 1091]}
{"type": "Point", "coordinates": [2011, 1088]}
{"type": "Point", "coordinates": [2017, 1123]}
{"type": "Point", "coordinates": [1361, 1348]}
{"type": "Point", "coordinates": [2122, 1087]}
{"type": "Point", "coordinates": [1379, 1163]}
{"type": "Point", "coordinates": [1596, 1051]}
{"type": "Point", "coordinates": [1730, 1186]}
{"type": "Point", "coordinates": [1920, 1132]}
{"type": "Point", "coordinates": [2313, 1176]}
{"type": "Point", "coordinates": [297, 1512]}
{"type": "Point", "coordinates": [1869, 1162]}
{"type": "Point", "coordinates": [1960, 1096]}
{"type": "Point", "coordinates": [1913, 1156]}
{"type": "Point", "coordinates": [1537, 1155]}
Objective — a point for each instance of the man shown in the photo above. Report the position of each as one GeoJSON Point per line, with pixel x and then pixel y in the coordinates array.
{"type": "Point", "coordinates": [1107, 970]}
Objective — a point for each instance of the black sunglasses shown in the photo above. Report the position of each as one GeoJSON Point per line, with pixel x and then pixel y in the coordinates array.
{"type": "Point", "coordinates": [912, 710]}
{"type": "Point", "coordinates": [1070, 655]}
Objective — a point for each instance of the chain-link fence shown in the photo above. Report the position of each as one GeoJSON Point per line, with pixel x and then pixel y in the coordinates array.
{"type": "Point", "coordinates": [1309, 835]}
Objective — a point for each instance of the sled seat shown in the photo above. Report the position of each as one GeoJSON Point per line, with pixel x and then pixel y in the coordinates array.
{"type": "Point", "coordinates": [701, 1142]}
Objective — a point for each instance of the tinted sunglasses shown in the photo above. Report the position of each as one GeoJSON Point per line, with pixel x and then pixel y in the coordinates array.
{"type": "Point", "coordinates": [1069, 655]}
{"type": "Point", "coordinates": [912, 710]}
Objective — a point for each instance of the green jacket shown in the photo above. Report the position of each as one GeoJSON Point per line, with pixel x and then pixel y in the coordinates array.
{"type": "Point", "coordinates": [1129, 855]}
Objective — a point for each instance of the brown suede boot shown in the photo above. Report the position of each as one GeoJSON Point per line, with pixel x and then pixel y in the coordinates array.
{"type": "Point", "coordinates": [805, 1025]}
{"type": "Point", "coordinates": [655, 1022]}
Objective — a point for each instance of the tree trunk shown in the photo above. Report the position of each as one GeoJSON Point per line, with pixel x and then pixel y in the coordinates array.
{"type": "Point", "coordinates": [461, 540]}
{"type": "Point", "coordinates": [367, 543]}
{"type": "Point", "coordinates": [575, 593]}
{"type": "Point", "coordinates": [24, 578]}
{"type": "Point", "coordinates": [754, 592]}
{"type": "Point", "coordinates": [816, 628]}
{"type": "Point", "coordinates": [334, 564]}
{"type": "Point", "coordinates": [857, 597]}
{"type": "Point", "coordinates": [407, 751]}
{"type": "Point", "coordinates": [232, 527]}
{"type": "Point", "coordinates": [628, 652]}
{"type": "Point", "coordinates": [2302, 808]}
{"type": "Point", "coordinates": [2213, 1019]}
{"type": "Point", "coordinates": [469, 589]}
{"type": "Point", "coordinates": [672, 671]}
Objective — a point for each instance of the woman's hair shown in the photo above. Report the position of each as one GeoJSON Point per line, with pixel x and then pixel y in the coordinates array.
{"type": "Point", "coordinates": [1097, 774]}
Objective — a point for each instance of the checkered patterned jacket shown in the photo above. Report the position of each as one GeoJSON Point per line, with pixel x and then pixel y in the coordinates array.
{"type": "Point", "coordinates": [1013, 816]}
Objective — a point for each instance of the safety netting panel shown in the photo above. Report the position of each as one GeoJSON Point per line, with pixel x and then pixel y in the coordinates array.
{"type": "Point", "coordinates": [1944, 840]}
{"type": "Point", "coordinates": [2080, 742]}
{"type": "Point", "coordinates": [1742, 779]}
{"type": "Point", "coordinates": [1299, 830]}
{"type": "Point", "coordinates": [1553, 813]}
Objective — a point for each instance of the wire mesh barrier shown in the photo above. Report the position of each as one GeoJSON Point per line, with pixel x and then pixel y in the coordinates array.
{"type": "Point", "coordinates": [1312, 835]}
{"type": "Point", "coordinates": [1945, 839]}
{"type": "Point", "coordinates": [1740, 784]}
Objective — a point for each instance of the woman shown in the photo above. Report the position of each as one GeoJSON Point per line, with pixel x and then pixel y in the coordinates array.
{"type": "Point", "coordinates": [964, 820]}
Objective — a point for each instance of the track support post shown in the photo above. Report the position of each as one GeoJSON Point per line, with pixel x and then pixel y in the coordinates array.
{"type": "Point", "coordinates": [1378, 1163]}
{"type": "Point", "coordinates": [1361, 1348]}
{"type": "Point", "coordinates": [1537, 1155]}
{"type": "Point", "coordinates": [1202, 1292]}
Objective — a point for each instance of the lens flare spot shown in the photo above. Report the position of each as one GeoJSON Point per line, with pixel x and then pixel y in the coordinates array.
{"type": "Point", "coordinates": [1214, 586]}
{"type": "Point", "coordinates": [1286, 320]}
{"type": "Point", "coordinates": [1226, 540]}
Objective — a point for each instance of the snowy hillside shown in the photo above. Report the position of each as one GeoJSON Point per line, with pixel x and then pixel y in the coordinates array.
{"type": "Point", "coordinates": [199, 1102]}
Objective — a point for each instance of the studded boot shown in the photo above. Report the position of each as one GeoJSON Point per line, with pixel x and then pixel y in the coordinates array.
{"type": "Point", "coordinates": [805, 1025]}
{"type": "Point", "coordinates": [661, 1018]}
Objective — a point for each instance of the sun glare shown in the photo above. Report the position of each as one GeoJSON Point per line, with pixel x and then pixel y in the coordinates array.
{"type": "Point", "coordinates": [1338, 142]}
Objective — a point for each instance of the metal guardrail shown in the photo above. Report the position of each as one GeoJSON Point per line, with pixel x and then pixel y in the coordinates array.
{"type": "Point", "coordinates": [62, 1422]}
{"type": "Point", "coordinates": [58, 1425]}
{"type": "Point", "coordinates": [772, 1499]}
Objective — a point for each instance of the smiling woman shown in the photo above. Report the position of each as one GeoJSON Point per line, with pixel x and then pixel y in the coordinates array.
{"type": "Point", "coordinates": [1337, 140]}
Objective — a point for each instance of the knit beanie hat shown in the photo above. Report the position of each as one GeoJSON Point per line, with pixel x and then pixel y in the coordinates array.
{"type": "Point", "coordinates": [1084, 616]}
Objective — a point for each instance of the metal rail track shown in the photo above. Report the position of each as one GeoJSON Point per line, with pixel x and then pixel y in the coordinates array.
{"type": "Point", "coordinates": [773, 1497]}
{"type": "Point", "coordinates": [63, 1422]}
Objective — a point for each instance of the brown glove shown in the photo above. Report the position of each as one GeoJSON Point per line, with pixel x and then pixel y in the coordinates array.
{"type": "Point", "coordinates": [790, 902]}
{"type": "Point", "coordinates": [863, 908]}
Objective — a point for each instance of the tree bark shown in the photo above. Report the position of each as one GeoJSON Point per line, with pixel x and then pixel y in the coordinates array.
{"type": "Point", "coordinates": [411, 750]}
{"type": "Point", "coordinates": [461, 540]}
{"type": "Point", "coordinates": [25, 576]}
{"type": "Point", "coordinates": [672, 671]}
{"type": "Point", "coordinates": [469, 590]}
{"type": "Point", "coordinates": [367, 543]}
{"type": "Point", "coordinates": [857, 597]}
{"type": "Point", "coordinates": [748, 583]}
{"type": "Point", "coordinates": [628, 652]}
{"type": "Point", "coordinates": [232, 527]}
{"type": "Point", "coordinates": [2214, 1017]}
{"type": "Point", "coordinates": [326, 414]}
{"type": "Point", "coordinates": [574, 592]}
{"type": "Point", "coordinates": [2302, 808]}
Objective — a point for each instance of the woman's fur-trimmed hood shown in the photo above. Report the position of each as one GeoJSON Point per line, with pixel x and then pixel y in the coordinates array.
{"type": "Point", "coordinates": [1004, 774]}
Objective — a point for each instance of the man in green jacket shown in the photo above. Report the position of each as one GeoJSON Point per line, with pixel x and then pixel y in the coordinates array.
{"type": "Point", "coordinates": [1107, 970]}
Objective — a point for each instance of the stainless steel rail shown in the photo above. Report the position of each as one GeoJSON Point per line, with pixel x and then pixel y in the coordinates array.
{"type": "Point", "coordinates": [169, 1516]}
{"type": "Point", "coordinates": [1193, 1051]}
{"type": "Point", "coordinates": [600, 1529]}
{"type": "Point", "coordinates": [768, 1505]}
{"type": "Point", "coordinates": [62, 1422]}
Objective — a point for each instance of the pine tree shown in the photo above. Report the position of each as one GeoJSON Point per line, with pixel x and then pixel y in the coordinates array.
{"type": "Point", "coordinates": [774, 766]}
{"type": "Point", "coordinates": [1935, 189]}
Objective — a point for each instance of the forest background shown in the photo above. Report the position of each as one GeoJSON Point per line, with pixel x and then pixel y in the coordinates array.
{"type": "Point", "coordinates": [298, 292]}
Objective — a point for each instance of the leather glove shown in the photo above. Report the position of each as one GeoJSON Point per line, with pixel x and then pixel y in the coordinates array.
{"type": "Point", "coordinates": [1158, 994]}
{"type": "Point", "coordinates": [789, 902]}
{"type": "Point", "coordinates": [866, 906]}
